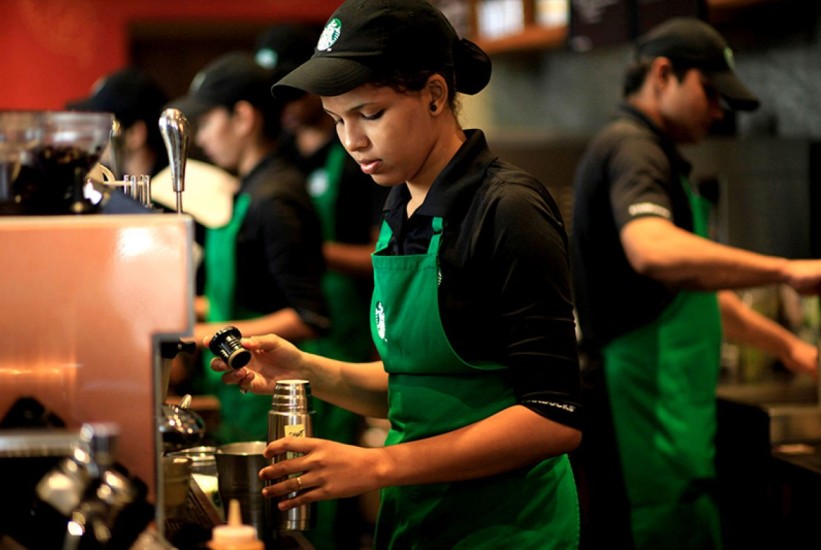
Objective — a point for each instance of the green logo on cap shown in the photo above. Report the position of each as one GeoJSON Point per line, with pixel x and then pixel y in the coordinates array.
{"type": "Point", "coordinates": [330, 34]}
{"type": "Point", "coordinates": [728, 57]}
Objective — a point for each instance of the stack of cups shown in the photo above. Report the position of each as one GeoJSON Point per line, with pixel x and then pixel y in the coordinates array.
{"type": "Point", "coordinates": [291, 416]}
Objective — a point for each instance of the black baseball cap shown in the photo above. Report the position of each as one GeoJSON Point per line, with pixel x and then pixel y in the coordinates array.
{"type": "Point", "coordinates": [285, 46]}
{"type": "Point", "coordinates": [129, 94]}
{"type": "Point", "coordinates": [230, 78]}
{"type": "Point", "coordinates": [367, 39]}
{"type": "Point", "coordinates": [693, 43]}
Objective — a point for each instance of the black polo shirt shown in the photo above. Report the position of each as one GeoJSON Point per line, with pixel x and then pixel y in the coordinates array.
{"type": "Point", "coordinates": [279, 245]}
{"type": "Point", "coordinates": [504, 294]}
{"type": "Point", "coordinates": [629, 170]}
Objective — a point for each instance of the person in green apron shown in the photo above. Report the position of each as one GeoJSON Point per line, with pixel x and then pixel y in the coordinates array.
{"type": "Point", "coordinates": [646, 281]}
{"type": "Point", "coordinates": [263, 269]}
{"type": "Point", "coordinates": [471, 312]}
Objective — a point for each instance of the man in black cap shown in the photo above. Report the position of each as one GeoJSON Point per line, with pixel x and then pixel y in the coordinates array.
{"type": "Point", "coordinates": [136, 101]}
{"type": "Point", "coordinates": [263, 269]}
{"type": "Point", "coordinates": [646, 278]}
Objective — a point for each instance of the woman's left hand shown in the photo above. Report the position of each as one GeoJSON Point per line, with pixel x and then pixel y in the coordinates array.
{"type": "Point", "coordinates": [326, 470]}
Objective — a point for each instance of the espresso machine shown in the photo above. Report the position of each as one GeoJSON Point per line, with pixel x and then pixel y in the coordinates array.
{"type": "Point", "coordinates": [91, 304]}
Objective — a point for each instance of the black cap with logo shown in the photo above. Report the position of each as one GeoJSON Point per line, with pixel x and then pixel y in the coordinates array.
{"type": "Point", "coordinates": [694, 43]}
{"type": "Point", "coordinates": [228, 79]}
{"type": "Point", "coordinates": [285, 46]}
{"type": "Point", "coordinates": [367, 39]}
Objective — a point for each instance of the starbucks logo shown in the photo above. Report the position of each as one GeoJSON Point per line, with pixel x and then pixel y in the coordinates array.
{"type": "Point", "coordinates": [330, 34]}
{"type": "Point", "coordinates": [728, 57]}
{"type": "Point", "coordinates": [379, 319]}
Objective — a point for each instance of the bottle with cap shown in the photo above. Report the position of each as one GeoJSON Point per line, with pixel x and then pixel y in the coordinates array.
{"type": "Point", "coordinates": [291, 416]}
{"type": "Point", "coordinates": [235, 535]}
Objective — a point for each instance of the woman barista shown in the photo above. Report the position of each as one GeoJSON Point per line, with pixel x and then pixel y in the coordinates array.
{"type": "Point", "coordinates": [471, 312]}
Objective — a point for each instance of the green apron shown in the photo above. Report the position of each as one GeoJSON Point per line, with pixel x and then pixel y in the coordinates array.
{"type": "Point", "coordinates": [431, 390]}
{"type": "Point", "coordinates": [661, 380]}
{"type": "Point", "coordinates": [348, 340]}
{"type": "Point", "coordinates": [244, 417]}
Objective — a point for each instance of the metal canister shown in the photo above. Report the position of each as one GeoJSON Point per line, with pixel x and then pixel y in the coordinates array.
{"type": "Point", "coordinates": [291, 415]}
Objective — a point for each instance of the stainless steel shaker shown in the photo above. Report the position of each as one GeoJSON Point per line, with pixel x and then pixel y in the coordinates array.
{"type": "Point", "coordinates": [291, 415]}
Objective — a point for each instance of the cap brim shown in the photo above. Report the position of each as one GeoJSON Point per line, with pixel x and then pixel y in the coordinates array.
{"type": "Point", "coordinates": [734, 92]}
{"type": "Point", "coordinates": [86, 104]}
{"type": "Point", "coordinates": [326, 76]}
{"type": "Point", "coordinates": [191, 106]}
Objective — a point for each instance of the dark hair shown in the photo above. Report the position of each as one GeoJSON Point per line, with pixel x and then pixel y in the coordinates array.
{"type": "Point", "coordinates": [271, 111]}
{"type": "Point", "coordinates": [271, 118]}
{"type": "Point", "coordinates": [394, 77]}
{"type": "Point", "coordinates": [637, 70]}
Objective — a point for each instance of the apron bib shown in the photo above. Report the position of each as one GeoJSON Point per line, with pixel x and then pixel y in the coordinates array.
{"type": "Point", "coordinates": [661, 380]}
{"type": "Point", "coordinates": [431, 390]}
{"type": "Point", "coordinates": [244, 416]}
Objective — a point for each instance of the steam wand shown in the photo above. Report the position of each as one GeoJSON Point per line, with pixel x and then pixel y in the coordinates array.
{"type": "Point", "coordinates": [174, 128]}
{"type": "Point", "coordinates": [117, 150]}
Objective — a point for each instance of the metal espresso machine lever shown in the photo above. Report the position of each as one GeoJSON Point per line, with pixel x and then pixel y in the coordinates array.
{"type": "Point", "coordinates": [175, 131]}
{"type": "Point", "coordinates": [117, 144]}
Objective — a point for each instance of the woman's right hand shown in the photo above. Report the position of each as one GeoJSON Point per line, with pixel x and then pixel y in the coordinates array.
{"type": "Point", "coordinates": [272, 358]}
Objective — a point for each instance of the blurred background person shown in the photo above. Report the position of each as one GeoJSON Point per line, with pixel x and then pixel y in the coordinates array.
{"type": "Point", "coordinates": [349, 204]}
{"type": "Point", "coordinates": [348, 201]}
{"type": "Point", "coordinates": [263, 268]}
{"type": "Point", "coordinates": [654, 297]}
{"type": "Point", "coordinates": [136, 101]}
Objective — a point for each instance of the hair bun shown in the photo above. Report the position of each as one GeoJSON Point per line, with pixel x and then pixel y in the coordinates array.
{"type": "Point", "coordinates": [472, 67]}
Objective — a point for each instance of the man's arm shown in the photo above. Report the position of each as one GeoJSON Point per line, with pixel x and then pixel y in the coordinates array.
{"type": "Point", "coordinates": [744, 325]}
{"type": "Point", "coordinates": [658, 249]}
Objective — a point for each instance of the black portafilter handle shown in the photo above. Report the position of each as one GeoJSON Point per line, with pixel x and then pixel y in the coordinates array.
{"type": "Point", "coordinates": [226, 345]}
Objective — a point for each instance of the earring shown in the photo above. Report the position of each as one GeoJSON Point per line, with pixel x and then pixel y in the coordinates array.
{"type": "Point", "coordinates": [432, 107]}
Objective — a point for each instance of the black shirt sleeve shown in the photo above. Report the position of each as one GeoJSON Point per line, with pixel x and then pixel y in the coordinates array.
{"type": "Point", "coordinates": [283, 226]}
{"type": "Point", "coordinates": [506, 294]}
{"type": "Point", "coordinates": [640, 174]}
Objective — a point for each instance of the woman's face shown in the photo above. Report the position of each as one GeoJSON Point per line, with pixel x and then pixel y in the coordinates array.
{"type": "Point", "coordinates": [390, 134]}
{"type": "Point", "coordinates": [217, 138]}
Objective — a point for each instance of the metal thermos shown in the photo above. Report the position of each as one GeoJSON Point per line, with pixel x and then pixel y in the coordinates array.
{"type": "Point", "coordinates": [291, 415]}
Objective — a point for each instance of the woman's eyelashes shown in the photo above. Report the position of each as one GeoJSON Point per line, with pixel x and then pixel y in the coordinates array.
{"type": "Point", "coordinates": [375, 116]}
{"type": "Point", "coordinates": [340, 121]}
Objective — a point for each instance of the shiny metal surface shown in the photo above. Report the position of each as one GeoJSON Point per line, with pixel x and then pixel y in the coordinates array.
{"type": "Point", "coordinates": [86, 300]}
{"type": "Point", "coordinates": [291, 415]}
{"type": "Point", "coordinates": [238, 466]}
{"type": "Point", "coordinates": [175, 131]}
{"type": "Point", "coordinates": [37, 443]}
{"type": "Point", "coordinates": [791, 405]}
{"type": "Point", "coordinates": [180, 427]}
{"type": "Point", "coordinates": [790, 424]}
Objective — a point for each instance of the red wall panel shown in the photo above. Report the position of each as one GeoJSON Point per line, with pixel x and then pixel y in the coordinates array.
{"type": "Point", "coordinates": [54, 50]}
